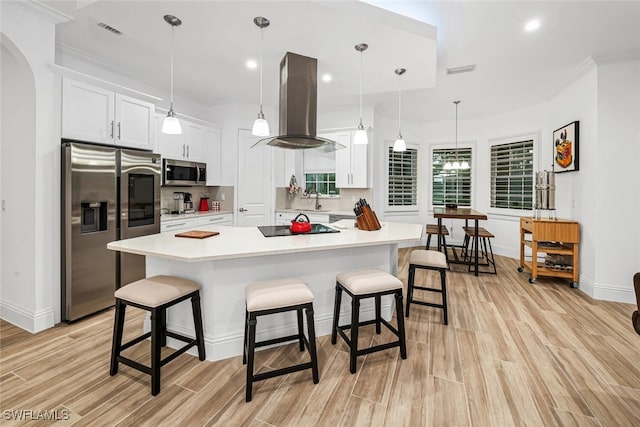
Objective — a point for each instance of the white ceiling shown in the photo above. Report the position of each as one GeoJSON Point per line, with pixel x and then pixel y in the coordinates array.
{"type": "Point", "coordinates": [514, 68]}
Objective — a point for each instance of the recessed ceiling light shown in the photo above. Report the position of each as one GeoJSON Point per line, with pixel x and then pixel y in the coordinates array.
{"type": "Point", "coordinates": [326, 77]}
{"type": "Point", "coordinates": [532, 25]}
{"type": "Point", "coordinates": [252, 64]}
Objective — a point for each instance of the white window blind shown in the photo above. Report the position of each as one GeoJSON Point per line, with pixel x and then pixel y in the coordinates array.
{"type": "Point", "coordinates": [452, 185]}
{"type": "Point", "coordinates": [403, 178]}
{"type": "Point", "coordinates": [512, 175]}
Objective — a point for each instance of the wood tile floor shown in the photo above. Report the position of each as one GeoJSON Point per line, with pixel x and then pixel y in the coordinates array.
{"type": "Point", "coordinates": [513, 354]}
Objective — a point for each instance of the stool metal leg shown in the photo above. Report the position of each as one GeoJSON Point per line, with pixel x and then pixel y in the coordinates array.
{"type": "Point", "coordinates": [156, 343]}
{"type": "Point", "coordinates": [118, 326]}
{"type": "Point", "coordinates": [378, 299]}
{"type": "Point", "coordinates": [412, 277]}
{"type": "Point", "coordinates": [400, 318]}
{"type": "Point", "coordinates": [162, 314]}
{"type": "Point", "coordinates": [250, 356]}
{"type": "Point", "coordinates": [312, 343]}
{"type": "Point", "coordinates": [246, 337]}
{"type": "Point", "coordinates": [300, 329]}
{"type": "Point", "coordinates": [336, 313]}
{"type": "Point", "coordinates": [197, 319]}
{"type": "Point", "coordinates": [428, 242]}
{"type": "Point", "coordinates": [443, 280]}
{"type": "Point", "coordinates": [355, 323]}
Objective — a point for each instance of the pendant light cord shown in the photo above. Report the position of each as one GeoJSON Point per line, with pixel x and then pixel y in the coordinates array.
{"type": "Point", "coordinates": [399, 102]}
{"type": "Point", "coordinates": [171, 107]}
{"type": "Point", "coordinates": [361, 85]}
{"type": "Point", "coordinates": [261, 56]}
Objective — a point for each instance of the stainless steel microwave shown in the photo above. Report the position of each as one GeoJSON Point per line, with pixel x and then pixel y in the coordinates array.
{"type": "Point", "coordinates": [183, 173]}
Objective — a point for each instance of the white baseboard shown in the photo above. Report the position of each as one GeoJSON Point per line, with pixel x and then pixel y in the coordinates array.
{"type": "Point", "coordinates": [607, 292]}
{"type": "Point", "coordinates": [25, 319]}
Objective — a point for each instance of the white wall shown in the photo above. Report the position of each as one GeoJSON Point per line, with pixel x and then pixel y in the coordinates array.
{"type": "Point", "coordinates": [37, 301]}
{"type": "Point", "coordinates": [617, 201]}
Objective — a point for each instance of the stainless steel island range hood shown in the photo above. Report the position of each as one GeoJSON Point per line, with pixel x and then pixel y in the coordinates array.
{"type": "Point", "coordinates": [298, 107]}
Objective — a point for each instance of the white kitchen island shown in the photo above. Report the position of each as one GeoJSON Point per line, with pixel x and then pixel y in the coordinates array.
{"type": "Point", "coordinates": [226, 263]}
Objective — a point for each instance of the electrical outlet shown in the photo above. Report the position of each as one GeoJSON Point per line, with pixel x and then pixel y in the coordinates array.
{"type": "Point", "coordinates": [353, 199]}
{"type": "Point", "coordinates": [222, 197]}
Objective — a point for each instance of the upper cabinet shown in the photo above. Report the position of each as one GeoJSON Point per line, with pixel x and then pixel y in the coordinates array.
{"type": "Point", "coordinates": [94, 114]}
{"type": "Point", "coordinates": [351, 162]}
{"type": "Point", "coordinates": [212, 152]}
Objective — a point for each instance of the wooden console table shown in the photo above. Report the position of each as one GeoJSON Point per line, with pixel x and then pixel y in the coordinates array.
{"type": "Point", "coordinates": [550, 236]}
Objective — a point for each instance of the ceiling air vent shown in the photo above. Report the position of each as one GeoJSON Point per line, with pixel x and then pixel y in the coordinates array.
{"type": "Point", "coordinates": [110, 28]}
{"type": "Point", "coordinates": [463, 69]}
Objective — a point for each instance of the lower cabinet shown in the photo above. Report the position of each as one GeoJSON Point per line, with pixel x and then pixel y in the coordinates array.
{"type": "Point", "coordinates": [175, 224]}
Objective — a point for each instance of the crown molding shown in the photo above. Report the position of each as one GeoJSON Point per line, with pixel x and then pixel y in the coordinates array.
{"type": "Point", "coordinates": [630, 55]}
{"type": "Point", "coordinates": [87, 57]}
{"type": "Point", "coordinates": [41, 10]}
{"type": "Point", "coordinates": [582, 69]}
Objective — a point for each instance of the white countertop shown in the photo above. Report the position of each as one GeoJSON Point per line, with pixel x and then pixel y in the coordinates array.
{"type": "Point", "coordinates": [242, 242]}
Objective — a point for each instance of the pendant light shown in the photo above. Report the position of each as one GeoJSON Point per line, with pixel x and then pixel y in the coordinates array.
{"type": "Point", "coordinates": [360, 136]}
{"type": "Point", "coordinates": [456, 164]}
{"type": "Point", "coordinates": [260, 125]}
{"type": "Point", "coordinates": [399, 145]}
{"type": "Point", "coordinates": [171, 124]}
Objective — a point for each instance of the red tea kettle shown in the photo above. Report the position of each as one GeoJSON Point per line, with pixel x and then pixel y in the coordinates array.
{"type": "Point", "coordinates": [204, 204]}
{"type": "Point", "coordinates": [301, 224]}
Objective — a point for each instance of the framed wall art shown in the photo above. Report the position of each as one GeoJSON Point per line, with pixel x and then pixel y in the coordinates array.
{"type": "Point", "coordinates": [565, 147]}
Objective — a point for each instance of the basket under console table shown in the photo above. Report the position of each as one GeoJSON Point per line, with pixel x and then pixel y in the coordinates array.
{"type": "Point", "coordinates": [553, 237]}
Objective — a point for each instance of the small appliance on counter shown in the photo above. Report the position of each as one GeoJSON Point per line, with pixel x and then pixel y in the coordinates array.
{"type": "Point", "coordinates": [204, 203]}
{"type": "Point", "coordinates": [188, 203]}
{"type": "Point", "coordinates": [215, 206]}
{"type": "Point", "coordinates": [178, 197]}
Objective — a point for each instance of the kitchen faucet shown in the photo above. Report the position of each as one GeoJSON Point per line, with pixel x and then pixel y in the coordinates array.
{"type": "Point", "coordinates": [317, 193]}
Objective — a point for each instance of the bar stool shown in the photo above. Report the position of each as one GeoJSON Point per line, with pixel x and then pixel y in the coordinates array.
{"type": "Point", "coordinates": [485, 238]}
{"type": "Point", "coordinates": [429, 260]}
{"type": "Point", "coordinates": [277, 296]}
{"type": "Point", "coordinates": [156, 294]}
{"type": "Point", "coordinates": [367, 284]}
{"type": "Point", "coordinates": [432, 229]}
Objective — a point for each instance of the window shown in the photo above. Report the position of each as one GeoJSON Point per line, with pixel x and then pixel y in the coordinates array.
{"type": "Point", "coordinates": [403, 178]}
{"type": "Point", "coordinates": [323, 183]}
{"type": "Point", "coordinates": [512, 175]}
{"type": "Point", "coordinates": [453, 185]}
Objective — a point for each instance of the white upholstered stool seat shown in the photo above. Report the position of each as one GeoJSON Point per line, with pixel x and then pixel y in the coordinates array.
{"type": "Point", "coordinates": [360, 285]}
{"type": "Point", "coordinates": [156, 294]}
{"type": "Point", "coordinates": [277, 296]}
{"type": "Point", "coordinates": [273, 294]}
{"type": "Point", "coordinates": [157, 290]}
{"type": "Point", "coordinates": [368, 281]}
{"type": "Point", "coordinates": [435, 259]}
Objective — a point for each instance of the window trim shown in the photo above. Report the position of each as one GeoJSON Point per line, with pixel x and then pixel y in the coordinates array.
{"type": "Point", "coordinates": [401, 209]}
{"type": "Point", "coordinates": [531, 136]}
{"type": "Point", "coordinates": [474, 167]}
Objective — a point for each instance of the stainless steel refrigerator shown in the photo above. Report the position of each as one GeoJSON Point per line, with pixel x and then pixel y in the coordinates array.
{"type": "Point", "coordinates": [107, 194]}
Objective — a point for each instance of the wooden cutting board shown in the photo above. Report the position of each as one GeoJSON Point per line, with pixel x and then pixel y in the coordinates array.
{"type": "Point", "coordinates": [198, 234]}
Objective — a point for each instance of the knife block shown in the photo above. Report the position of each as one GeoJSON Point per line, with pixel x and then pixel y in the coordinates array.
{"type": "Point", "coordinates": [368, 220]}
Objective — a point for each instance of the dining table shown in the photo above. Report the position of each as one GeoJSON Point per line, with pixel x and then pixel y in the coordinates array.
{"type": "Point", "coordinates": [461, 213]}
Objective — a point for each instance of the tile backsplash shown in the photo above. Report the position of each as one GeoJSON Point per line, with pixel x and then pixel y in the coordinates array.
{"type": "Point", "coordinates": [348, 196]}
{"type": "Point", "coordinates": [214, 193]}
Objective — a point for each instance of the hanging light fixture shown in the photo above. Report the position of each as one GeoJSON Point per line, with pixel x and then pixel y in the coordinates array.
{"type": "Point", "coordinates": [399, 145]}
{"type": "Point", "coordinates": [456, 164]}
{"type": "Point", "coordinates": [360, 136]}
{"type": "Point", "coordinates": [171, 124]}
{"type": "Point", "coordinates": [260, 125]}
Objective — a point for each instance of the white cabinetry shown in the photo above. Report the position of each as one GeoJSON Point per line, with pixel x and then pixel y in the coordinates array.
{"type": "Point", "coordinates": [224, 219]}
{"type": "Point", "coordinates": [94, 114]}
{"type": "Point", "coordinates": [212, 155]}
{"type": "Point", "coordinates": [185, 146]}
{"type": "Point", "coordinates": [351, 162]}
{"type": "Point", "coordinates": [178, 224]}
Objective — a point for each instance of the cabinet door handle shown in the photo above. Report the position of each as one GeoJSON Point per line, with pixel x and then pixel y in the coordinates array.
{"type": "Point", "coordinates": [187, 151]}
{"type": "Point", "coordinates": [175, 225]}
{"type": "Point", "coordinates": [119, 131]}
{"type": "Point", "coordinates": [111, 129]}
{"type": "Point", "coordinates": [183, 149]}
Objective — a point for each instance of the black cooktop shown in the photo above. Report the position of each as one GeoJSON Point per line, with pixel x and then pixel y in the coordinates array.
{"type": "Point", "coordinates": [285, 230]}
